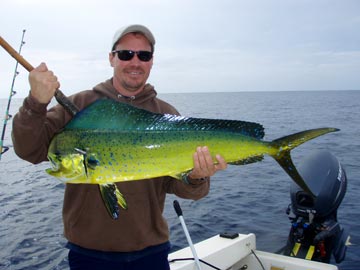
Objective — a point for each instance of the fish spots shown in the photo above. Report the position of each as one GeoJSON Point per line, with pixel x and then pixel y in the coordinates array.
{"type": "Point", "coordinates": [138, 139]}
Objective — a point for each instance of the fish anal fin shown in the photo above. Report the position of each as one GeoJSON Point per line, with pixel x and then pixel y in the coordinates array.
{"type": "Point", "coordinates": [247, 160]}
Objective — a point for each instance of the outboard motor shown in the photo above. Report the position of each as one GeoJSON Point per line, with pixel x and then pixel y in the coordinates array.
{"type": "Point", "coordinates": [315, 233]}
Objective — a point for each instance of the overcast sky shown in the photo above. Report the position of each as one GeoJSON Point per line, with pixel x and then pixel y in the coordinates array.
{"type": "Point", "coordinates": [201, 45]}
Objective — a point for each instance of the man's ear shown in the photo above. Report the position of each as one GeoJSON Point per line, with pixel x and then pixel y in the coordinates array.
{"type": "Point", "coordinates": [111, 58]}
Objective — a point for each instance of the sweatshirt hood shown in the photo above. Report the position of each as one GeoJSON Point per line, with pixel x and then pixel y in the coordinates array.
{"type": "Point", "coordinates": [107, 89]}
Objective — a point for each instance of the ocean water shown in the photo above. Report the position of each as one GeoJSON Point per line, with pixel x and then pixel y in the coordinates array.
{"type": "Point", "coordinates": [244, 199]}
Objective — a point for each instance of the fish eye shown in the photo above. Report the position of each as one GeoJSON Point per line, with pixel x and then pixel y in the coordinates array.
{"type": "Point", "coordinates": [92, 162]}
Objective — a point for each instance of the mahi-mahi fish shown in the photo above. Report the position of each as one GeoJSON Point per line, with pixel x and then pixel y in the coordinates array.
{"type": "Point", "coordinates": [110, 142]}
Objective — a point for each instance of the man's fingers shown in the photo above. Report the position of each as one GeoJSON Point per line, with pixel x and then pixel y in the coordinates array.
{"type": "Point", "coordinates": [42, 67]}
{"type": "Point", "coordinates": [204, 165]}
{"type": "Point", "coordinates": [222, 165]}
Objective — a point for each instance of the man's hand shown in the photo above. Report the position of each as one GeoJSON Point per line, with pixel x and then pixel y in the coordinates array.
{"type": "Point", "coordinates": [204, 165]}
{"type": "Point", "coordinates": [43, 84]}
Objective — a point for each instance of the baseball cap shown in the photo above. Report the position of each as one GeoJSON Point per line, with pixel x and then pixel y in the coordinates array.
{"type": "Point", "coordinates": [131, 29]}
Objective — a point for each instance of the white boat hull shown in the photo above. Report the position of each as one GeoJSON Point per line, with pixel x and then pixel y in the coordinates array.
{"type": "Point", "coordinates": [238, 253]}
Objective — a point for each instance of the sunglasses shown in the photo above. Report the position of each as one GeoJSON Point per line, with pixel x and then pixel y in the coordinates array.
{"type": "Point", "coordinates": [127, 55]}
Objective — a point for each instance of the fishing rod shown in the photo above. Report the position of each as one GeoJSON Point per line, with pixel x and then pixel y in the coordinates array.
{"type": "Point", "coordinates": [60, 97]}
{"type": "Point", "coordinates": [8, 116]}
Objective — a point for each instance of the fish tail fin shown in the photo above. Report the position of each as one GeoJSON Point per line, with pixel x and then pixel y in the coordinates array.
{"type": "Point", "coordinates": [112, 198]}
{"type": "Point", "coordinates": [287, 143]}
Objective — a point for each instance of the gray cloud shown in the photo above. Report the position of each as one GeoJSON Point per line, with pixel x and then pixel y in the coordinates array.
{"type": "Point", "coordinates": [205, 45]}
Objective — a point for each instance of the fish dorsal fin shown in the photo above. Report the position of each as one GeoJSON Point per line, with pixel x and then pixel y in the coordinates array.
{"type": "Point", "coordinates": [203, 124]}
{"type": "Point", "coordinates": [106, 114]}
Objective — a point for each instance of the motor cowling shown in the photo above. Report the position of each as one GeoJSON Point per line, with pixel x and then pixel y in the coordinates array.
{"type": "Point", "coordinates": [315, 233]}
{"type": "Point", "coordinates": [326, 178]}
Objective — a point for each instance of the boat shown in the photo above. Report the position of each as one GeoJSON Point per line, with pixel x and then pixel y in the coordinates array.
{"type": "Point", "coordinates": [238, 253]}
{"type": "Point", "coordinates": [315, 235]}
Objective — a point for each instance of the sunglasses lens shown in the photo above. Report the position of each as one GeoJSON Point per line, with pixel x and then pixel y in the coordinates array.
{"type": "Point", "coordinates": [144, 56]}
{"type": "Point", "coordinates": [125, 55]}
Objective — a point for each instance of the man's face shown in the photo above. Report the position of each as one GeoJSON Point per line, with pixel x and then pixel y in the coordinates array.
{"type": "Point", "coordinates": [131, 76]}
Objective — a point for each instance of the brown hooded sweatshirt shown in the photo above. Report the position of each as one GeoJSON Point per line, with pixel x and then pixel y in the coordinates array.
{"type": "Point", "coordinates": [86, 220]}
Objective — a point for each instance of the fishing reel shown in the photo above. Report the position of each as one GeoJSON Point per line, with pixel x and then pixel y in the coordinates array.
{"type": "Point", "coordinates": [315, 233]}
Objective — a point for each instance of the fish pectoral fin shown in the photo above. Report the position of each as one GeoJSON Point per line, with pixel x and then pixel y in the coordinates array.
{"type": "Point", "coordinates": [112, 198]}
{"type": "Point", "coordinates": [120, 198]}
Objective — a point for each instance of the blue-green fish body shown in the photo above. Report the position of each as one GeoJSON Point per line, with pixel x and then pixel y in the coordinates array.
{"type": "Point", "coordinates": [111, 142]}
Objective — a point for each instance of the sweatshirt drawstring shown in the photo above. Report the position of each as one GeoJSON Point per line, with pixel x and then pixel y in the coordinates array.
{"type": "Point", "coordinates": [130, 99]}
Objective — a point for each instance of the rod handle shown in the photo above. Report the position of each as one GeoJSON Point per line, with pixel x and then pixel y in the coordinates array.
{"type": "Point", "coordinates": [177, 208]}
{"type": "Point", "coordinates": [15, 54]}
{"type": "Point", "coordinates": [59, 95]}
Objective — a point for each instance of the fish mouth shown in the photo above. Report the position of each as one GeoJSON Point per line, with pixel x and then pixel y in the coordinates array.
{"type": "Point", "coordinates": [69, 168]}
{"type": "Point", "coordinates": [54, 163]}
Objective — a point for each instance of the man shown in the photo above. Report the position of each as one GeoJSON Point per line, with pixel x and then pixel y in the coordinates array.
{"type": "Point", "coordinates": [139, 239]}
